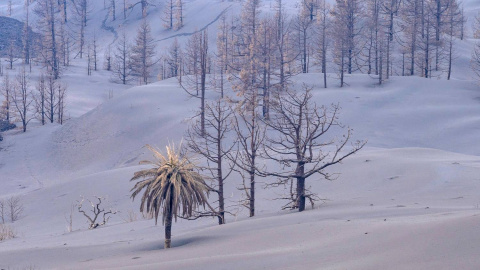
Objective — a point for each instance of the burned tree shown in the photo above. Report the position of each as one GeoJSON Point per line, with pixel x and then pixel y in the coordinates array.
{"type": "Point", "coordinates": [250, 136]}
{"type": "Point", "coordinates": [97, 216]}
{"type": "Point", "coordinates": [300, 142]}
{"type": "Point", "coordinates": [212, 145]}
{"type": "Point", "coordinates": [21, 98]}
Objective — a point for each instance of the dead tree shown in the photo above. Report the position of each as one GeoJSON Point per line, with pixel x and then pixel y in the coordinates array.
{"type": "Point", "coordinates": [97, 216]}
{"type": "Point", "coordinates": [21, 98]}
{"type": "Point", "coordinates": [142, 53]}
{"type": "Point", "coordinates": [197, 61]}
{"type": "Point", "coordinates": [475, 60]}
{"type": "Point", "coordinates": [3, 210]}
{"type": "Point", "coordinates": [299, 141]}
{"type": "Point", "coordinates": [168, 14]}
{"type": "Point", "coordinates": [121, 67]}
{"type": "Point", "coordinates": [250, 136]}
{"type": "Point", "coordinates": [6, 91]}
{"type": "Point", "coordinates": [212, 146]}
{"type": "Point", "coordinates": [15, 208]}
{"type": "Point", "coordinates": [61, 107]}
{"type": "Point", "coordinates": [40, 98]}
{"type": "Point", "coordinates": [48, 25]}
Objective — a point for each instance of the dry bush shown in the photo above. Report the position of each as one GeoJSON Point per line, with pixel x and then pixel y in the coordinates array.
{"type": "Point", "coordinates": [131, 216]}
{"type": "Point", "coordinates": [6, 232]}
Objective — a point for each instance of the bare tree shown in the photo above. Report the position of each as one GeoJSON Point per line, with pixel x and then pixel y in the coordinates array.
{"type": "Point", "coordinates": [179, 6]}
{"type": "Point", "coordinates": [322, 41]}
{"type": "Point", "coordinates": [97, 216]}
{"type": "Point", "coordinates": [475, 60]}
{"type": "Point", "coordinates": [81, 10]}
{"type": "Point", "coordinates": [212, 145]}
{"type": "Point", "coordinates": [250, 135]}
{"type": "Point", "coordinates": [476, 26]}
{"type": "Point", "coordinates": [3, 210]}
{"type": "Point", "coordinates": [300, 142]}
{"type": "Point", "coordinates": [285, 52]}
{"type": "Point", "coordinates": [47, 23]}
{"type": "Point", "coordinates": [143, 53]}
{"type": "Point", "coordinates": [174, 60]}
{"type": "Point", "coordinates": [168, 14]}
{"type": "Point", "coordinates": [51, 101]}
{"type": "Point", "coordinates": [197, 59]}
{"type": "Point", "coordinates": [21, 98]}
{"type": "Point", "coordinates": [12, 53]}
{"type": "Point", "coordinates": [107, 56]}
{"type": "Point", "coordinates": [6, 91]}
{"type": "Point", "coordinates": [121, 64]}
{"type": "Point", "coordinates": [40, 99]}
{"type": "Point", "coordinates": [26, 39]}
{"type": "Point", "coordinates": [61, 106]}
{"type": "Point", "coordinates": [15, 208]}
{"type": "Point", "coordinates": [453, 21]}
{"type": "Point", "coordinates": [347, 15]}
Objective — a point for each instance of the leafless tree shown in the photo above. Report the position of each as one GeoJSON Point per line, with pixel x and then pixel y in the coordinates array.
{"type": "Point", "coordinates": [3, 210]}
{"type": "Point", "coordinates": [323, 23]}
{"type": "Point", "coordinates": [51, 101]}
{"type": "Point", "coordinates": [213, 147]}
{"type": "Point", "coordinates": [81, 10]}
{"type": "Point", "coordinates": [173, 60]}
{"type": "Point", "coordinates": [476, 26]}
{"type": "Point", "coordinates": [47, 23]}
{"type": "Point", "coordinates": [26, 39]}
{"type": "Point", "coordinates": [15, 208]}
{"type": "Point", "coordinates": [300, 143]}
{"type": "Point", "coordinates": [61, 106]}
{"type": "Point", "coordinates": [143, 53]}
{"type": "Point", "coordinates": [179, 7]}
{"type": "Point", "coordinates": [121, 64]}
{"type": "Point", "coordinates": [168, 14]}
{"type": "Point", "coordinates": [6, 91]}
{"type": "Point", "coordinates": [475, 60]}
{"type": "Point", "coordinates": [250, 136]}
{"type": "Point", "coordinates": [21, 98]}
{"type": "Point", "coordinates": [12, 53]}
{"type": "Point", "coordinates": [285, 52]}
{"type": "Point", "coordinates": [347, 14]}
{"type": "Point", "coordinates": [197, 60]}
{"type": "Point", "coordinates": [40, 99]}
{"type": "Point", "coordinates": [97, 216]}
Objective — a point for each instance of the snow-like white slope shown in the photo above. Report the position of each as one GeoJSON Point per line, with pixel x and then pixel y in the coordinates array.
{"type": "Point", "coordinates": [414, 187]}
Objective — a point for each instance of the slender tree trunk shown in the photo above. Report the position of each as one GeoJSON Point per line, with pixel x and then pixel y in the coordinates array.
{"type": "Point", "coordinates": [168, 223]}
{"type": "Point", "coordinates": [221, 199]}
{"type": "Point", "coordinates": [300, 172]}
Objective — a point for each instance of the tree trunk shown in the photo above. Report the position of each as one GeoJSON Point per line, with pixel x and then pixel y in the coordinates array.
{"type": "Point", "coordinates": [300, 172]}
{"type": "Point", "coordinates": [168, 224]}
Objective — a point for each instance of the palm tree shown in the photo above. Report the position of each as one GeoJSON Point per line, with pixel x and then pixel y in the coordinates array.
{"type": "Point", "coordinates": [171, 186]}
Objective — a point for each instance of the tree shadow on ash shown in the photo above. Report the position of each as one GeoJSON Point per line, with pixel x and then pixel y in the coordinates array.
{"type": "Point", "coordinates": [178, 242]}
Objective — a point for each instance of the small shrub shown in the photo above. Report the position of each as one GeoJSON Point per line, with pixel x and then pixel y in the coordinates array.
{"type": "Point", "coordinates": [131, 216]}
{"type": "Point", "coordinates": [6, 232]}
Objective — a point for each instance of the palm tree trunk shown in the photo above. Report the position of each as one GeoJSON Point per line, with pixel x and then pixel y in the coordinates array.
{"type": "Point", "coordinates": [168, 225]}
